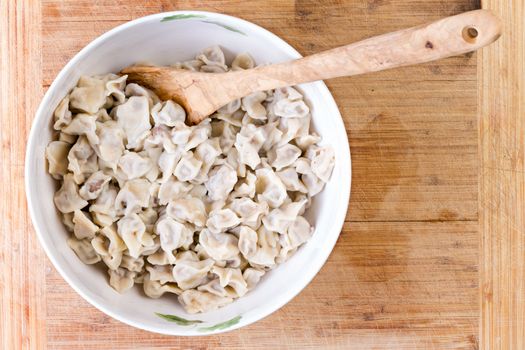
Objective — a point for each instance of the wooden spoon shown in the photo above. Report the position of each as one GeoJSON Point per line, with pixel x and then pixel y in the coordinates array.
{"type": "Point", "coordinates": [201, 94]}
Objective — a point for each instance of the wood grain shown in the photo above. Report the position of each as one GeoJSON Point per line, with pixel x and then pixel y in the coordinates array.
{"type": "Point", "coordinates": [22, 277]}
{"type": "Point", "coordinates": [404, 274]}
{"type": "Point", "coordinates": [502, 182]}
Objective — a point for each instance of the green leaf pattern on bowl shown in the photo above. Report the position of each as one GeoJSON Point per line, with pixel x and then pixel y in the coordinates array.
{"type": "Point", "coordinates": [178, 320]}
{"type": "Point", "coordinates": [184, 322]}
{"type": "Point", "coordinates": [190, 16]}
{"type": "Point", "coordinates": [230, 28]}
{"type": "Point", "coordinates": [181, 16]}
{"type": "Point", "coordinates": [222, 325]}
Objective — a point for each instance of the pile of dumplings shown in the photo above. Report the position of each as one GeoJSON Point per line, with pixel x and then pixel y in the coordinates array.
{"type": "Point", "coordinates": [201, 211]}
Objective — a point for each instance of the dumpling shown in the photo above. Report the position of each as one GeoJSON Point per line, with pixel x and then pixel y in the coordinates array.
{"type": "Point", "coordinates": [252, 104]}
{"type": "Point", "coordinates": [259, 248]}
{"type": "Point", "coordinates": [109, 246]}
{"type": "Point", "coordinates": [62, 115]}
{"type": "Point", "coordinates": [133, 233]}
{"type": "Point", "coordinates": [115, 88]}
{"type": "Point", "coordinates": [212, 206]}
{"type": "Point", "coordinates": [121, 279]}
{"type": "Point", "coordinates": [149, 217]}
{"type": "Point", "coordinates": [247, 242]}
{"type": "Point", "coordinates": [290, 179]}
{"type": "Point", "coordinates": [221, 181]}
{"type": "Point", "coordinates": [291, 109]}
{"type": "Point", "coordinates": [198, 191]}
{"type": "Point", "coordinates": [213, 56]}
{"type": "Point", "coordinates": [140, 91]}
{"type": "Point", "coordinates": [84, 227]}
{"type": "Point", "coordinates": [270, 188]}
{"type": "Point", "coordinates": [225, 134]}
{"type": "Point", "coordinates": [246, 187]}
{"type": "Point", "coordinates": [321, 161]}
{"type": "Point", "coordinates": [221, 220]}
{"type": "Point", "coordinates": [288, 103]}
{"type": "Point", "coordinates": [173, 189]}
{"type": "Point", "coordinates": [111, 143]}
{"type": "Point", "coordinates": [279, 219]}
{"type": "Point", "coordinates": [151, 244]}
{"type": "Point", "coordinates": [160, 136]}
{"type": "Point", "coordinates": [299, 231]}
{"type": "Point", "coordinates": [230, 283]}
{"type": "Point", "coordinates": [231, 278]}
{"type": "Point", "coordinates": [67, 198]}
{"type": "Point", "coordinates": [56, 154]}
{"type": "Point", "coordinates": [84, 250]}
{"type": "Point", "coordinates": [168, 113]}
{"type": "Point", "coordinates": [291, 129]}
{"type": "Point", "coordinates": [94, 185]}
{"type": "Point", "coordinates": [243, 61]}
{"type": "Point", "coordinates": [103, 220]}
{"type": "Point", "coordinates": [199, 134]}
{"type": "Point", "coordinates": [161, 273]}
{"type": "Point", "coordinates": [105, 202]}
{"type": "Point", "coordinates": [313, 184]}
{"type": "Point", "coordinates": [88, 96]}
{"type": "Point", "coordinates": [192, 65]}
{"type": "Point", "coordinates": [167, 162]}
{"type": "Point", "coordinates": [235, 118]}
{"type": "Point", "coordinates": [67, 220]}
{"type": "Point", "coordinates": [219, 246]}
{"type": "Point", "coordinates": [272, 135]}
{"type": "Point", "coordinates": [214, 287]}
{"type": "Point", "coordinates": [283, 156]}
{"type": "Point", "coordinates": [230, 108]}
{"type": "Point", "coordinates": [233, 160]}
{"type": "Point", "coordinates": [190, 273]}
{"type": "Point", "coordinates": [154, 195]}
{"type": "Point", "coordinates": [252, 277]}
{"type": "Point", "coordinates": [207, 152]}
{"type": "Point", "coordinates": [154, 289]}
{"type": "Point", "coordinates": [132, 264]}
{"type": "Point", "coordinates": [173, 234]}
{"type": "Point", "coordinates": [195, 301]}
{"type": "Point", "coordinates": [69, 139]}
{"type": "Point", "coordinates": [188, 209]}
{"type": "Point", "coordinates": [134, 165]}
{"type": "Point", "coordinates": [102, 115]}
{"type": "Point", "coordinates": [133, 117]}
{"type": "Point", "coordinates": [160, 257]}
{"type": "Point", "coordinates": [153, 155]}
{"type": "Point", "coordinates": [212, 69]}
{"type": "Point", "coordinates": [299, 197]}
{"type": "Point", "coordinates": [248, 143]}
{"type": "Point", "coordinates": [82, 160]}
{"type": "Point", "coordinates": [83, 124]}
{"type": "Point", "coordinates": [187, 168]}
{"type": "Point", "coordinates": [133, 196]}
{"type": "Point", "coordinates": [249, 211]}
{"type": "Point", "coordinates": [180, 134]}
{"type": "Point", "coordinates": [305, 141]}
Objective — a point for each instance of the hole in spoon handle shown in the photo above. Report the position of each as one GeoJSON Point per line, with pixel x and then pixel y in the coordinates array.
{"type": "Point", "coordinates": [470, 33]}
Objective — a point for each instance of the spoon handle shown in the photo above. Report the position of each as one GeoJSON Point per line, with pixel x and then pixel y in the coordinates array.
{"type": "Point", "coordinates": [446, 37]}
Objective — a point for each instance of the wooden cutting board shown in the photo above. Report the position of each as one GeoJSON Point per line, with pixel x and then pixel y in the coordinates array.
{"type": "Point", "coordinates": [432, 253]}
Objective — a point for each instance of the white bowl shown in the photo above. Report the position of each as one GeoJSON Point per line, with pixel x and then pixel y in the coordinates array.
{"type": "Point", "coordinates": [163, 39]}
